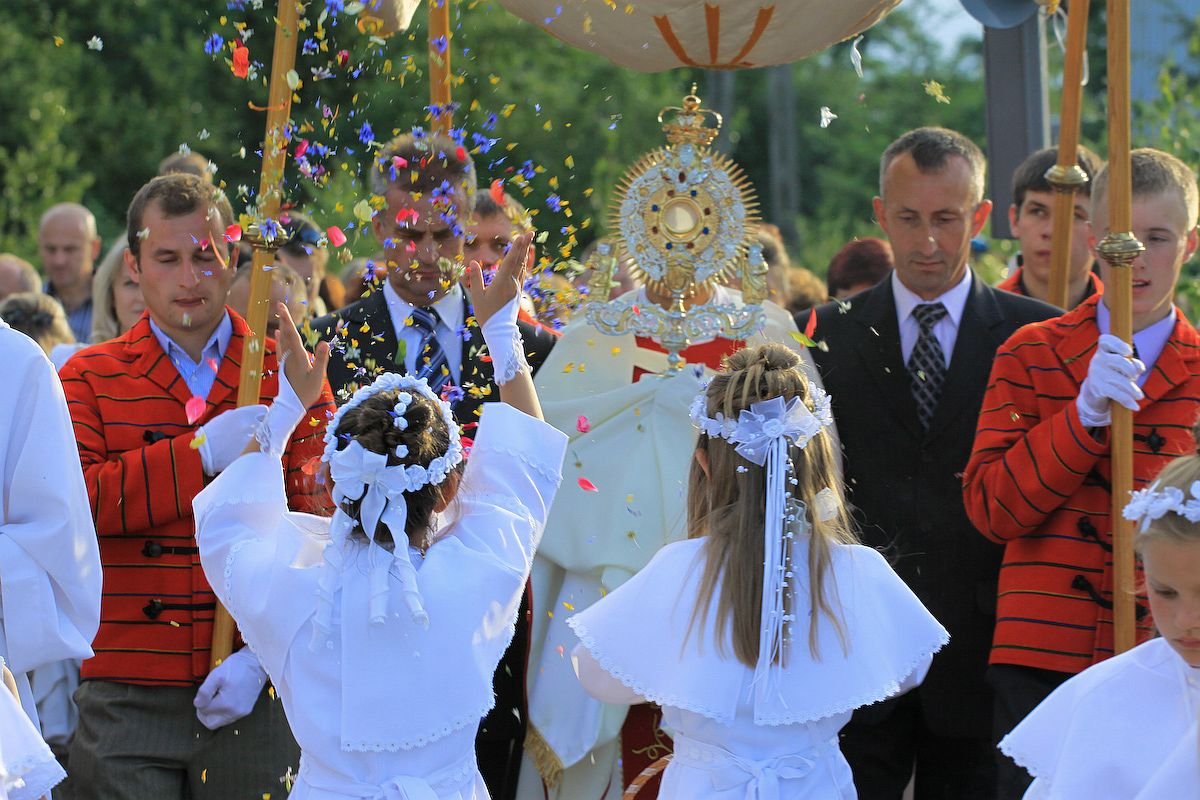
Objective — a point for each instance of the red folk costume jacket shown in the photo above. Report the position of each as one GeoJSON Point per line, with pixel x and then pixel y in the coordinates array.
{"type": "Point", "coordinates": [1039, 482]}
{"type": "Point", "coordinates": [126, 400]}
{"type": "Point", "coordinates": [1016, 284]}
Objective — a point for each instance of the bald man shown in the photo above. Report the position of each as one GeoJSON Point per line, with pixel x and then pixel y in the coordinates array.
{"type": "Point", "coordinates": [17, 275]}
{"type": "Point", "coordinates": [69, 247]}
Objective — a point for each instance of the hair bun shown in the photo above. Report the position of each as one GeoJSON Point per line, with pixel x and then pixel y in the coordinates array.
{"type": "Point", "coordinates": [770, 356]}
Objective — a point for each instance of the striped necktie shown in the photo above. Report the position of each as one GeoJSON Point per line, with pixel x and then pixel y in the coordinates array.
{"type": "Point", "coordinates": [431, 363]}
{"type": "Point", "coordinates": [927, 363]}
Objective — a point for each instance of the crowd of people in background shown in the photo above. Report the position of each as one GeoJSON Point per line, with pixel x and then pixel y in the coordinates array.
{"type": "Point", "coordinates": [964, 438]}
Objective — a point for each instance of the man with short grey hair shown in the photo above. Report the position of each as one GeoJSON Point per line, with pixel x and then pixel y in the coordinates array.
{"type": "Point", "coordinates": [68, 246]}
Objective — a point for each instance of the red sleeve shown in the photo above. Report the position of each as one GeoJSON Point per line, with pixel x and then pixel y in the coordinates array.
{"type": "Point", "coordinates": [1023, 467]}
{"type": "Point", "coordinates": [302, 459]}
{"type": "Point", "coordinates": [138, 489]}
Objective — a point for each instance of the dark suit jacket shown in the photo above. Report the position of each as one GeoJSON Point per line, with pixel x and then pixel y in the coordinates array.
{"type": "Point", "coordinates": [377, 351]}
{"type": "Point", "coordinates": [906, 484]}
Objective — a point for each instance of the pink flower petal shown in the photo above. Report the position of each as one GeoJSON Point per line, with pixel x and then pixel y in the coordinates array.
{"type": "Point", "coordinates": [194, 408]}
{"type": "Point", "coordinates": [336, 237]}
{"type": "Point", "coordinates": [587, 485]}
{"type": "Point", "coordinates": [582, 425]}
{"type": "Point", "coordinates": [233, 233]}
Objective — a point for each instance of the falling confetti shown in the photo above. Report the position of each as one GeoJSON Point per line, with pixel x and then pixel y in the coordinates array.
{"type": "Point", "coordinates": [587, 485]}
{"type": "Point", "coordinates": [336, 237]}
{"type": "Point", "coordinates": [810, 327]}
{"type": "Point", "coordinates": [582, 425]}
{"type": "Point", "coordinates": [194, 408]}
{"type": "Point", "coordinates": [937, 92]}
{"type": "Point", "coordinates": [856, 57]}
{"type": "Point", "coordinates": [95, 43]}
{"type": "Point", "coordinates": [198, 440]}
{"type": "Point", "coordinates": [241, 60]}
{"type": "Point", "coordinates": [802, 339]}
{"type": "Point", "coordinates": [827, 116]}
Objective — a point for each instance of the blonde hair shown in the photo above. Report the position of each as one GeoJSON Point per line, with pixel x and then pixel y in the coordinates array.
{"type": "Point", "coordinates": [1179, 473]}
{"type": "Point", "coordinates": [1153, 172]}
{"type": "Point", "coordinates": [105, 325]}
{"type": "Point", "coordinates": [38, 316]}
{"type": "Point", "coordinates": [726, 503]}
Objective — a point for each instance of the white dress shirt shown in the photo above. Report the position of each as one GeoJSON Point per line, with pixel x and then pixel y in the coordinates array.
{"type": "Point", "coordinates": [946, 329]}
{"type": "Point", "coordinates": [449, 328]}
{"type": "Point", "coordinates": [198, 375]}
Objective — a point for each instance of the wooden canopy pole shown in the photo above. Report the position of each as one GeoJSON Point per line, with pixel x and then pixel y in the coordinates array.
{"type": "Point", "coordinates": [270, 192]}
{"type": "Point", "coordinates": [439, 65]}
{"type": "Point", "coordinates": [1119, 248]}
{"type": "Point", "coordinates": [1067, 177]}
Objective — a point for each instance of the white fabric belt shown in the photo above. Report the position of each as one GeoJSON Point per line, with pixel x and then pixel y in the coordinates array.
{"type": "Point", "coordinates": [760, 777]}
{"type": "Point", "coordinates": [400, 787]}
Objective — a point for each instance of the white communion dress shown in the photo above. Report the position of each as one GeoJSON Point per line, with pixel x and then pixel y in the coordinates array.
{"type": "Point", "coordinates": [1124, 728]}
{"type": "Point", "coordinates": [735, 740]}
{"type": "Point", "coordinates": [385, 709]}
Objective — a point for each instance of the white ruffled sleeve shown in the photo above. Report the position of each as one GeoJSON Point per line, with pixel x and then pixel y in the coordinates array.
{"type": "Point", "coordinates": [28, 769]}
{"type": "Point", "coordinates": [512, 474]}
{"type": "Point", "coordinates": [249, 543]}
{"type": "Point", "coordinates": [234, 515]}
{"type": "Point", "coordinates": [49, 557]}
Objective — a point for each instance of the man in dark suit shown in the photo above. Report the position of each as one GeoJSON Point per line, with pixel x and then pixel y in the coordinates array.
{"type": "Point", "coordinates": [906, 363]}
{"type": "Point", "coordinates": [418, 321]}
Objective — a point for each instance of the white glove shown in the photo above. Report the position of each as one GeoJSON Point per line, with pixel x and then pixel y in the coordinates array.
{"type": "Point", "coordinates": [504, 342]}
{"type": "Point", "coordinates": [1112, 378]}
{"type": "Point", "coordinates": [230, 690]}
{"type": "Point", "coordinates": [275, 430]}
{"type": "Point", "coordinates": [223, 438]}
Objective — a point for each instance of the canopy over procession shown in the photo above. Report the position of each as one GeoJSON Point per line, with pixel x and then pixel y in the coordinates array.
{"type": "Point", "coordinates": [451, 442]}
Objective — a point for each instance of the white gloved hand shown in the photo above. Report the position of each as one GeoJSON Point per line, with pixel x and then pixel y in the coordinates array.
{"type": "Point", "coordinates": [230, 690]}
{"type": "Point", "coordinates": [504, 342]}
{"type": "Point", "coordinates": [225, 436]}
{"type": "Point", "coordinates": [285, 413]}
{"type": "Point", "coordinates": [1112, 378]}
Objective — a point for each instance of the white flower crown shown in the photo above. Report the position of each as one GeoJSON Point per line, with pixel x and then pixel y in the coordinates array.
{"type": "Point", "coordinates": [758, 426]}
{"type": "Point", "coordinates": [416, 476]}
{"type": "Point", "coordinates": [1149, 504]}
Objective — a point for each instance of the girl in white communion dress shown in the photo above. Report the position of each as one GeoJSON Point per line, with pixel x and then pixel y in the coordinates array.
{"type": "Point", "coordinates": [761, 633]}
{"type": "Point", "coordinates": [380, 633]}
{"type": "Point", "coordinates": [1127, 727]}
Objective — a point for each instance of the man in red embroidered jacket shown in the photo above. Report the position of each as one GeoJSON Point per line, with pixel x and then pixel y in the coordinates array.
{"type": "Point", "coordinates": [145, 730]}
{"type": "Point", "coordinates": [1039, 475]}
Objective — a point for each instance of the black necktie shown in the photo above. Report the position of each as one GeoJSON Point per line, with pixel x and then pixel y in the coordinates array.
{"type": "Point", "coordinates": [431, 361]}
{"type": "Point", "coordinates": [927, 364]}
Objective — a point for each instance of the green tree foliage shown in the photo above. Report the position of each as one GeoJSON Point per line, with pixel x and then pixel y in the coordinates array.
{"type": "Point", "coordinates": [92, 124]}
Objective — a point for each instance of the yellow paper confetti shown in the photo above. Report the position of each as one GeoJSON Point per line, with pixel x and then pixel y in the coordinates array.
{"type": "Point", "coordinates": [937, 92]}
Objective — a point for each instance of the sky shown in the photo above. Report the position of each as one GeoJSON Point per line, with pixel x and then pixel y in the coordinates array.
{"type": "Point", "coordinates": [954, 20]}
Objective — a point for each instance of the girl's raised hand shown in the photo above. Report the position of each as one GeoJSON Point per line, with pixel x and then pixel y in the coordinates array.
{"type": "Point", "coordinates": [307, 377]}
{"type": "Point", "coordinates": [506, 283]}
